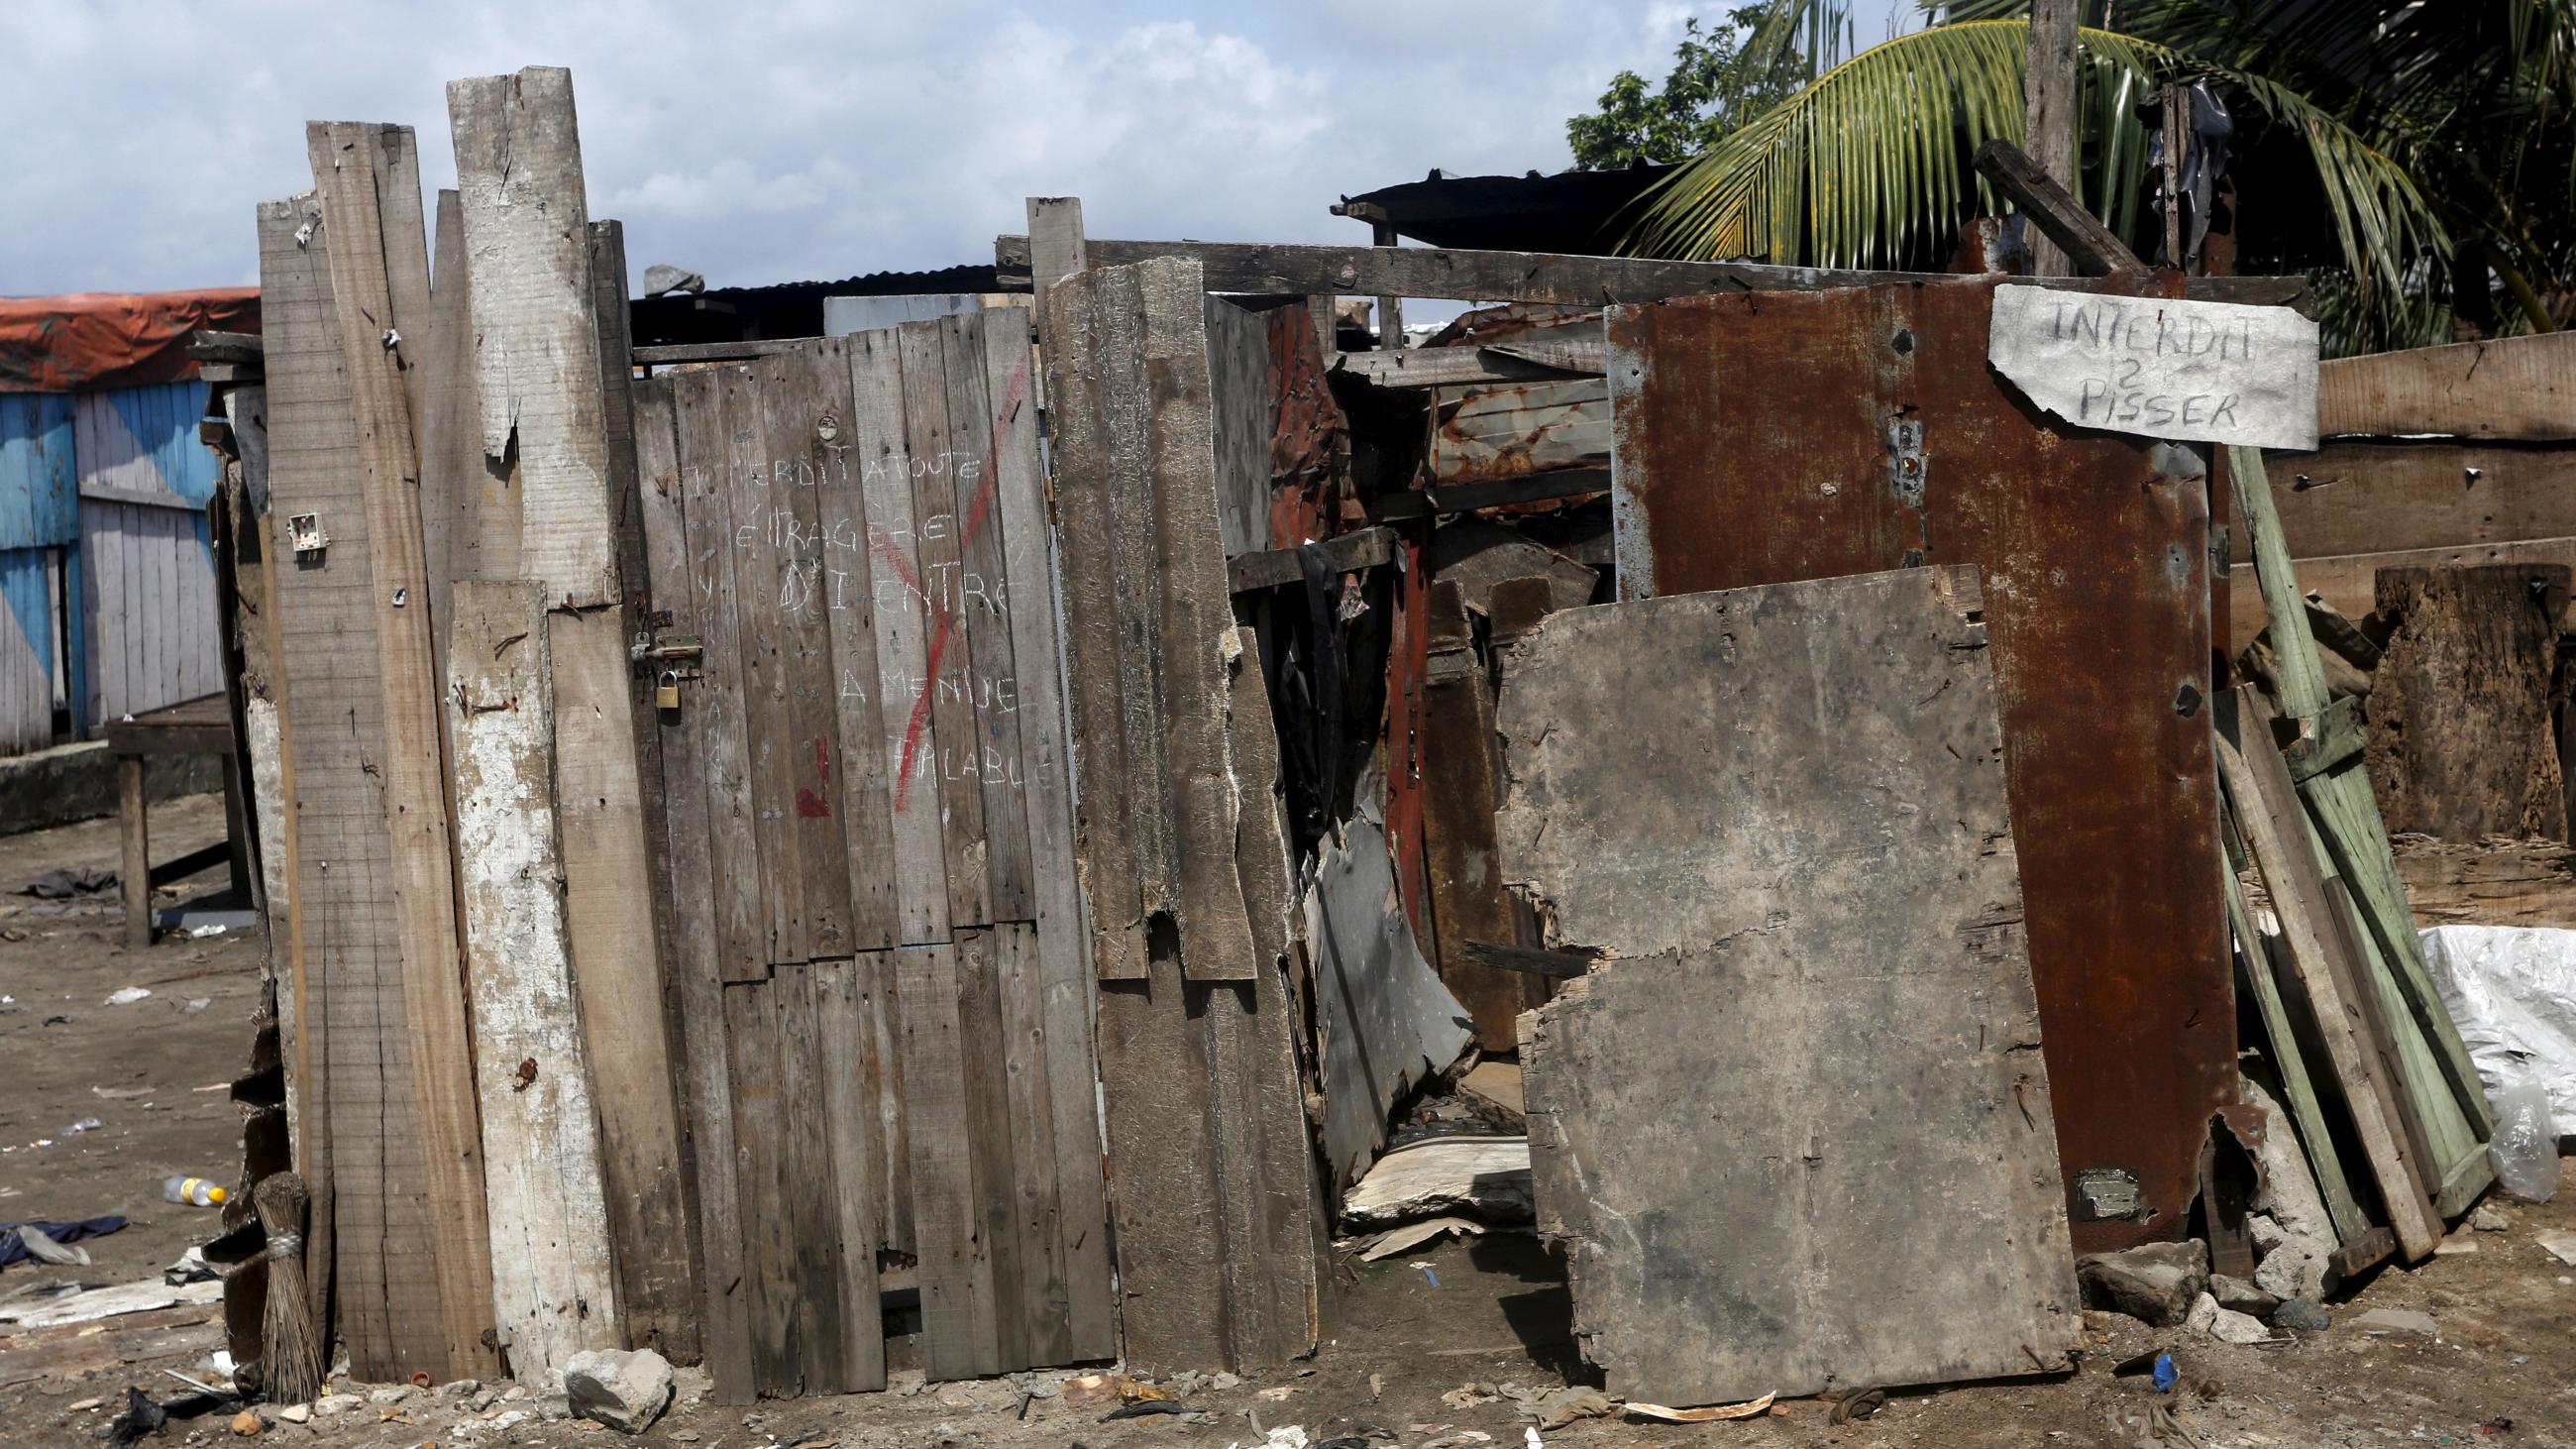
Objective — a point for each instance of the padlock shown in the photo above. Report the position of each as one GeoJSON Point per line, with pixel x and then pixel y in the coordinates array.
{"type": "Point", "coordinates": [666, 695]}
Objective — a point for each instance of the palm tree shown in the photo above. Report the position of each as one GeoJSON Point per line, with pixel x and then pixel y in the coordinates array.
{"type": "Point", "coordinates": [2404, 153]}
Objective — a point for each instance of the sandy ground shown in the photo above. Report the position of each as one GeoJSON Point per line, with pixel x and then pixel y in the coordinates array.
{"type": "Point", "coordinates": [1402, 1333]}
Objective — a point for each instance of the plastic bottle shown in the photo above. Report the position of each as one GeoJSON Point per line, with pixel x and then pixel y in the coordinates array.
{"type": "Point", "coordinates": [195, 1190]}
{"type": "Point", "coordinates": [2525, 1145]}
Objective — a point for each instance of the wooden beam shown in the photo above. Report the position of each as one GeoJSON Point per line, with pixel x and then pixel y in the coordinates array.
{"type": "Point", "coordinates": [1270, 568]}
{"type": "Point", "coordinates": [208, 345]}
{"type": "Point", "coordinates": [1528, 960]}
{"type": "Point", "coordinates": [2052, 88]}
{"type": "Point", "coordinates": [749, 347]}
{"type": "Point", "coordinates": [1276, 269]}
{"type": "Point", "coordinates": [2517, 388]}
{"type": "Point", "coordinates": [1390, 306]}
{"type": "Point", "coordinates": [1556, 483]}
{"type": "Point", "coordinates": [1056, 248]}
{"type": "Point", "coordinates": [1472, 366]}
{"type": "Point", "coordinates": [2088, 244]}
{"type": "Point", "coordinates": [134, 840]}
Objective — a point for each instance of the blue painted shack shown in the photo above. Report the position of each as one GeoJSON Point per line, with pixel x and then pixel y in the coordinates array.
{"type": "Point", "coordinates": [107, 582]}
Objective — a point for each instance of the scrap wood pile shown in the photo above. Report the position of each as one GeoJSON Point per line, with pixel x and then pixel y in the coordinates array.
{"type": "Point", "coordinates": [780, 868]}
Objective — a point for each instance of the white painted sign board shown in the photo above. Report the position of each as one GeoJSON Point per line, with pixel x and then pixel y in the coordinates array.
{"type": "Point", "coordinates": [2211, 372]}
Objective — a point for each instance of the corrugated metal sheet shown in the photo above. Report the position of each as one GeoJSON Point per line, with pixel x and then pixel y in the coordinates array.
{"type": "Point", "coordinates": [147, 563]}
{"type": "Point", "coordinates": [37, 471]}
{"type": "Point", "coordinates": [1487, 433]}
{"type": "Point", "coordinates": [27, 633]}
{"type": "Point", "coordinates": [1810, 435]}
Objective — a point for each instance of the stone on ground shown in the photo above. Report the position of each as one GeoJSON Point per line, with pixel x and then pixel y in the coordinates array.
{"type": "Point", "coordinates": [625, 1391]}
{"type": "Point", "coordinates": [2399, 1322]}
{"type": "Point", "coordinates": [2156, 1282]}
{"type": "Point", "coordinates": [2304, 1314]}
{"type": "Point", "coordinates": [2241, 1296]}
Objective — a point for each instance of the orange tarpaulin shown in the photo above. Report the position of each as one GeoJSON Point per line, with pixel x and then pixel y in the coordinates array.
{"type": "Point", "coordinates": [112, 339]}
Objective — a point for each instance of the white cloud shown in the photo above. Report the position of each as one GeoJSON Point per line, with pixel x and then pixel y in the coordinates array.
{"type": "Point", "coordinates": [764, 142]}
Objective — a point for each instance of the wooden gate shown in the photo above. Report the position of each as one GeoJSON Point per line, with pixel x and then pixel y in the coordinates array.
{"type": "Point", "coordinates": [886, 989]}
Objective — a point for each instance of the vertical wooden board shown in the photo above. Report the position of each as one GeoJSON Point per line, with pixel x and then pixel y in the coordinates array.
{"type": "Point", "coordinates": [947, 706]}
{"type": "Point", "coordinates": [958, 1336]}
{"type": "Point", "coordinates": [760, 642]}
{"type": "Point", "coordinates": [996, 760]}
{"type": "Point", "coordinates": [451, 439]}
{"type": "Point", "coordinates": [554, 1283]}
{"type": "Point", "coordinates": [1066, 997]}
{"type": "Point", "coordinates": [863, 803]}
{"type": "Point", "coordinates": [1155, 1093]}
{"type": "Point", "coordinates": [877, 972]}
{"type": "Point", "coordinates": [1024, 1056]}
{"type": "Point", "coordinates": [347, 947]}
{"type": "Point", "coordinates": [1239, 383]}
{"type": "Point", "coordinates": [2461, 740]}
{"type": "Point", "coordinates": [704, 432]}
{"type": "Point", "coordinates": [904, 624]}
{"type": "Point", "coordinates": [518, 172]}
{"type": "Point", "coordinates": [367, 246]}
{"type": "Point", "coordinates": [853, 1079]}
{"type": "Point", "coordinates": [760, 1112]}
{"type": "Point", "coordinates": [693, 949]}
{"type": "Point", "coordinates": [983, 1051]}
{"type": "Point", "coordinates": [1462, 784]}
{"type": "Point", "coordinates": [1852, 866]}
{"type": "Point", "coordinates": [807, 1179]}
{"type": "Point", "coordinates": [805, 401]}
{"type": "Point", "coordinates": [1121, 486]}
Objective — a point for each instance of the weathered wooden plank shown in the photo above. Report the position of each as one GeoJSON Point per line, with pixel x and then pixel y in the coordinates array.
{"type": "Point", "coordinates": [2346, 582]}
{"type": "Point", "coordinates": [317, 647]}
{"type": "Point", "coordinates": [554, 1284]}
{"type": "Point", "coordinates": [2506, 387]}
{"type": "Point", "coordinates": [761, 1110]}
{"type": "Point", "coordinates": [854, 1079]}
{"type": "Point", "coordinates": [997, 759]}
{"type": "Point", "coordinates": [1462, 786]}
{"type": "Point", "coordinates": [1239, 383]}
{"type": "Point", "coordinates": [1042, 1297]}
{"type": "Point", "coordinates": [1054, 247]}
{"type": "Point", "coordinates": [518, 173]}
{"type": "Point", "coordinates": [704, 425]}
{"type": "Point", "coordinates": [942, 728]}
{"type": "Point", "coordinates": [451, 445]}
{"type": "Point", "coordinates": [2461, 739]}
{"type": "Point", "coordinates": [1359, 549]}
{"type": "Point", "coordinates": [2282, 1048]}
{"type": "Point", "coordinates": [694, 948]}
{"type": "Point", "coordinates": [1855, 866]}
{"type": "Point", "coordinates": [958, 1334]}
{"type": "Point", "coordinates": [851, 582]}
{"type": "Point", "coordinates": [1059, 958]}
{"type": "Point", "coordinates": [760, 639]}
{"type": "Point", "coordinates": [904, 624]}
{"type": "Point", "coordinates": [804, 395]}
{"type": "Point", "coordinates": [1505, 363]}
{"type": "Point", "coordinates": [2385, 496]}
{"type": "Point", "coordinates": [984, 1045]}
{"type": "Point", "coordinates": [2275, 827]}
{"type": "Point", "coordinates": [1277, 269]}
{"type": "Point", "coordinates": [372, 236]}
{"type": "Point", "coordinates": [809, 1182]}
{"type": "Point", "coordinates": [1156, 1094]}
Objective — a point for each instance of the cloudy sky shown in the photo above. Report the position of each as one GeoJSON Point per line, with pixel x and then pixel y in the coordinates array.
{"type": "Point", "coordinates": [761, 142]}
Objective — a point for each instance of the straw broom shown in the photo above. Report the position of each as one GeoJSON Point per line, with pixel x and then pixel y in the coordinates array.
{"type": "Point", "coordinates": [291, 1357]}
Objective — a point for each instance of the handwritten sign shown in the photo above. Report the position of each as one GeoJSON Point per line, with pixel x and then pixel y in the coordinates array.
{"type": "Point", "coordinates": [2211, 372]}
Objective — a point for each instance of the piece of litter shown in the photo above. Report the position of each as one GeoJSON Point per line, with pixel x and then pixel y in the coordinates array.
{"type": "Point", "coordinates": [86, 1124]}
{"type": "Point", "coordinates": [1530, 1438]}
{"type": "Point", "coordinates": [1427, 1273]}
{"type": "Point", "coordinates": [1745, 1410]}
{"type": "Point", "coordinates": [128, 996]}
{"type": "Point", "coordinates": [1278, 1394]}
{"type": "Point", "coordinates": [2558, 1244]}
{"type": "Point", "coordinates": [120, 1094]}
{"type": "Point", "coordinates": [202, 932]}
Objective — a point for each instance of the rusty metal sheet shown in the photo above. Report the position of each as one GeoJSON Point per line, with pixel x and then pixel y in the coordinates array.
{"type": "Point", "coordinates": [1486, 433]}
{"type": "Point", "coordinates": [1762, 440]}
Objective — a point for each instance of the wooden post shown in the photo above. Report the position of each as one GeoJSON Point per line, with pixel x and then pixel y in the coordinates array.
{"type": "Point", "coordinates": [134, 874]}
{"type": "Point", "coordinates": [2053, 87]}
{"type": "Point", "coordinates": [527, 237]}
{"type": "Point", "coordinates": [1390, 310]}
{"type": "Point", "coordinates": [1055, 245]}
{"type": "Point", "coordinates": [2177, 113]}
{"type": "Point", "coordinates": [554, 1289]}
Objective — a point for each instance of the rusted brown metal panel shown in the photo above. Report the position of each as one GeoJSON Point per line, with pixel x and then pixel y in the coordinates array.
{"type": "Point", "coordinates": [1484, 433]}
{"type": "Point", "coordinates": [1765, 440]}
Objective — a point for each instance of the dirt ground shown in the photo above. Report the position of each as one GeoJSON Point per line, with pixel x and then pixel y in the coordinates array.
{"type": "Point", "coordinates": [1402, 1333]}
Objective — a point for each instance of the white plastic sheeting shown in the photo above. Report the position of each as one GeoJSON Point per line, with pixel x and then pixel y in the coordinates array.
{"type": "Point", "coordinates": [2511, 991]}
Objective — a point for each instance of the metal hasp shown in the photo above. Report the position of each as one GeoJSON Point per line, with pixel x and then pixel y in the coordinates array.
{"type": "Point", "coordinates": [1766, 439]}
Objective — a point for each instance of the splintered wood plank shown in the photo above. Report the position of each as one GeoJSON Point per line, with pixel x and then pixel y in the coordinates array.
{"type": "Point", "coordinates": [330, 708]}
{"type": "Point", "coordinates": [2276, 832]}
{"type": "Point", "coordinates": [518, 174]}
{"type": "Point", "coordinates": [1041, 1296]}
{"type": "Point", "coordinates": [958, 1333]}
{"type": "Point", "coordinates": [372, 236]}
{"type": "Point", "coordinates": [704, 432]}
{"type": "Point", "coordinates": [760, 1112]}
{"type": "Point", "coordinates": [697, 981]}
{"type": "Point", "coordinates": [1001, 1238]}
{"type": "Point", "coordinates": [2289, 1060]}
{"type": "Point", "coordinates": [1079, 1255]}
{"type": "Point", "coordinates": [811, 1189]}
{"type": "Point", "coordinates": [854, 681]}
{"type": "Point", "coordinates": [904, 624]}
{"type": "Point", "coordinates": [1851, 864]}
{"type": "Point", "coordinates": [996, 759]}
{"type": "Point", "coordinates": [1155, 1087]}
{"type": "Point", "coordinates": [1094, 352]}
{"type": "Point", "coordinates": [451, 447]}
{"type": "Point", "coordinates": [804, 400]}
{"type": "Point", "coordinates": [554, 1284]}
{"type": "Point", "coordinates": [947, 707]}
{"type": "Point", "coordinates": [853, 1078]}
{"type": "Point", "coordinates": [761, 640]}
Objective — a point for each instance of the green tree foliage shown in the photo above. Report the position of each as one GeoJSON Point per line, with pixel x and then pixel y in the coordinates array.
{"type": "Point", "coordinates": [1721, 76]}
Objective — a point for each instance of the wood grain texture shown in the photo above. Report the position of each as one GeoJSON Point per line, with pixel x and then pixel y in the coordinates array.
{"type": "Point", "coordinates": [951, 750]}
{"type": "Point", "coordinates": [1887, 1216]}
{"type": "Point", "coordinates": [1462, 786]}
{"type": "Point", "coordinates": [378, 260]}
{"type": "Point", "coordinates": [995, 759]}
{"type": "Point", "coordinates": [2508, 387]}
{"type": "Point", "coordinates": [854, 1081]}
{"type": "Point", "coordinates": [2462, 740]}
{"type": "Point", "coordinates": [958, 1332]}
{"type": "Point", "coordinates": [518, 176]}
{"type": "Point", "coordinates": [554, 1281]}
{"type": "Point", "coordinates": [695, 952]}
{"type": "Point", "coordinates": [761, 1109]}
{"type": "Point", "coordinates": [451, 449]}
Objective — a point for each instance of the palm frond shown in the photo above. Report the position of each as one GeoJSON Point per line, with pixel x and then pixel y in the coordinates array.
{"type": "Point", "coordinates": [1871, 161]}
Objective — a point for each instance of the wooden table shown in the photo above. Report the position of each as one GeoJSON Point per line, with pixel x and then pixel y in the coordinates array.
{"type": "Point", "coordinates": [201, 726]}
